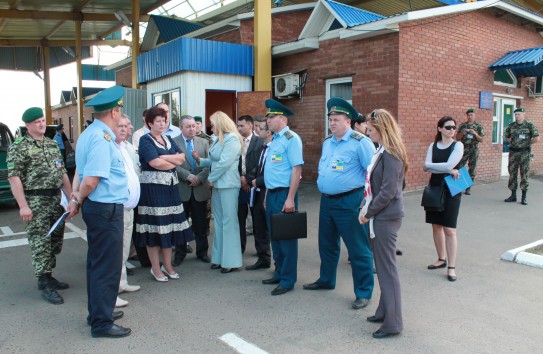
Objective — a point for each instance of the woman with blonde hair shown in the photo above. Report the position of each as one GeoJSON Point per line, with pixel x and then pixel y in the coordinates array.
{"type": "Point", "coordinates": [382, 208]}
{"type": "Point", "coordinates": [224, 178]}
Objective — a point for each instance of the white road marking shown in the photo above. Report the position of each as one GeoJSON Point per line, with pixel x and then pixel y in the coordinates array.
{"type": "Point", "coordinates": [240, 345]}
{"type": "Point", "coordinates": [7, 232]}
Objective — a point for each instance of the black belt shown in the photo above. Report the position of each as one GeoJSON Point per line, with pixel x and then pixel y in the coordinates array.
{"type": "Point", "coordinates": [341, 195]}
{"type": "Point", "coordinates": [274, 190]}
{"type": "Point", "coordinates": [519, 149]}
{"type": "Point", "coordinates": [43, 192]}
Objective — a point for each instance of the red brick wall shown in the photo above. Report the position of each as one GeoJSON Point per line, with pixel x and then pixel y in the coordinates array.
{"type": "Point", "coordinates": [71, 111]}
{"type": "Point", "coordinates": [443, 67]}
{"type": "Point", "coordinates": [373, 66]}
{"type": "Point", "coordinates": [123, 77]}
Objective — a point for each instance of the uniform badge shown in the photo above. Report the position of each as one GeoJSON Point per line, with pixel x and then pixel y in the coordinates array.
{"type": "Point", "coordinates": [277, 157]}
{"type": "Point", "coordinates": [11, 165]}
{"type": "Point", "coordinates": [58, 163]}
{"type": "Point", "coordinates": [522, 136]}
{"type": "Point", "coordinates": [107, 136]}
{"type": "Point", "coordinates": [337, 166]}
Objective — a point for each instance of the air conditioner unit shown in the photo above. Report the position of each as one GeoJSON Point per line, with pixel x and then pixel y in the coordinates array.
{"type": "Point", "coordinates": [286, 85]}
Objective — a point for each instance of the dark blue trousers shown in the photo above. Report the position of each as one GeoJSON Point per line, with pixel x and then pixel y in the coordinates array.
{"type": "Point", "coordinates": [338, 219]}
{"type": "Point", "coordinates": [104, 260]}
{"type": "Point", "coordinates": [285, 252]}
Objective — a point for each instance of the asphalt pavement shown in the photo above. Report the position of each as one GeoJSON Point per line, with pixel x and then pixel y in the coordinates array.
{"type": "Point", "coordinates": [494, 307]}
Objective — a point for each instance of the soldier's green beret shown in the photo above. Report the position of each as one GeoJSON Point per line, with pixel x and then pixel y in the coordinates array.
{"type": "Point", "coordinates": [520, 109]}
{"type": "Point", "coordinates": [198, 119]}
{"type": "Point", "coordinates": [277, 109]}
{"type": "Point", "coordinates": [32, 114]}
{"type": "Point", "coordinates": [337, 105]}
{"type": "Point", "coordinates": [107, 99]}
{"type": "Point", "coordinates": [471, 110]}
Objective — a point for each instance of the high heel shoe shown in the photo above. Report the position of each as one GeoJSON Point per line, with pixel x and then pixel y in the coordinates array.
{"type": "Point", "coordinates": [171, 276]}
{"type": "Point", "coordinates": [442, 265]}
{"type": "Point", "coordinates": [161, 279]}
{"type": "Point", "coordinates": [451, 277]}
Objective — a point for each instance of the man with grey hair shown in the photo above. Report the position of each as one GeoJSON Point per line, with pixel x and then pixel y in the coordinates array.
{"type": "Point", "coordinates": [193, 188]}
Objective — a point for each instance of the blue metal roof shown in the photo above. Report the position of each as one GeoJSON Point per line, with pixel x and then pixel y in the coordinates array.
{"type": "Point", "coordinates": [87, 91]}
{"type": "Point", "coordinates": [525, 62]}
{"type": "Point", "coordinates": [171, 28]}
{"type": "Point", "coordinates": [191, 54]}
{"type": "Point", "coordinates": [352, 16]}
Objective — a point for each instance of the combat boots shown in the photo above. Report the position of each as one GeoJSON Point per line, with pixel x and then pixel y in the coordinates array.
{"type": "Point", "coordinates": [56, 284]}
{"type": "Point", "coordinates": [523, 199]}
{"type": "Point", "coordinates": [512, 198]}
{"type": "Point", "coordinates": [48, 291]}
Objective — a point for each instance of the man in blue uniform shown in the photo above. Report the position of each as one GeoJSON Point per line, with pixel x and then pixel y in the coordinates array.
{"type": "Point", "coordinates": [282, 173]}
{"type": "Point", "coordinates": [346, 155]}
{"type": "Point", "coordinates": [102, 191]}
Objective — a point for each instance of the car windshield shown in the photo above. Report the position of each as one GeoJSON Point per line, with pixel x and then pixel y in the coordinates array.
{"type": "Point", "coordinates": [5, 136]}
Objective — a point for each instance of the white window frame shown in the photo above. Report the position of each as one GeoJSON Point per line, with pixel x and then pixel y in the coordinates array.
{"type": "Point", "coordinates": [514, 84]}
{"type": "Point", "coordinates": [329, 83]}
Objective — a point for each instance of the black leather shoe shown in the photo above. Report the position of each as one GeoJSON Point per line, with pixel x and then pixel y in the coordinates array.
{"type": "Point", "coordinates": [177, 261]}
{"type": "Point", "coordinates": [114, 332]}
{"type": "Point", "coordinates": [270, 281]}
{"type": "Point", "coordinates": [374, 319]}
{"type": "Point", "coordinates": [360, 303]}
{"type": "Point", "coordinates": [442, 265]}
{"type": "Point", "coordinates": [317, 286]}
{"type": "Point", "coordinates": [205, 259]}
{"type": "Point", "coordinates": [116, 315]}
{"type": "Point", "coordinates": [380, 334]}
{"type": "Point", "coordinates": [228, 270]}
{"type": "Point", "coordinates": [280, 290]}
{"type": "Point", "coordinates": [215, 266]}
{"type": "Point", "coordinates": [451, 277]}
{"type": "Point", "coordinates": [260, 264]}
{"type": "Point", "coordinates": [50, 294]}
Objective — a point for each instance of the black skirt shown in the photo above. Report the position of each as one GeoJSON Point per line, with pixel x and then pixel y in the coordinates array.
{"type": "Point", "coordinates": [449, 216]}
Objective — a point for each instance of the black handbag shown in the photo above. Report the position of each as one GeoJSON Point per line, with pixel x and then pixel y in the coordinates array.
{"type": "Point", "coordinates": [433, 198]}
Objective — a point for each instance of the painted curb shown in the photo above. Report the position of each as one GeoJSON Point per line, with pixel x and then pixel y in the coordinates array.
{"type": "Point", "coordinates": [518, 255]}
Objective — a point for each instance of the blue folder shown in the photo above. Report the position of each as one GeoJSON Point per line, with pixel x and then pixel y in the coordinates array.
{"type": "Point", "coordinates": [459, 185]}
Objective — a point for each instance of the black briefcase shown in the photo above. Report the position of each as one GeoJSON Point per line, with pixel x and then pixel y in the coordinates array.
{"type": "Point", "coordinates": [289, 226]}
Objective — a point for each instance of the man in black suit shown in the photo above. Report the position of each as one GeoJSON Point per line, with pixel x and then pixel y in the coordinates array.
{"type": "Point", "coordinates": [248, 161]}
{"type": "Point", "coordinates": [262, 236]}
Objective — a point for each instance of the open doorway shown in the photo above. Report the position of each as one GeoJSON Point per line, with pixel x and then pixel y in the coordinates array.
{"type": "Point", "coordinates": [217, 100]}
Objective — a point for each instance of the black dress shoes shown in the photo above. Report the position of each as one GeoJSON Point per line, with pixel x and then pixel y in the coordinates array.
{"type": "Point", "coordinates": [228, 270]}
{"type": "Point", "coordinates": [116, 315]}
{"type": "Point", "coordinates": [380, 334]}
{"type": "Point", "coordinates": [177, 261]}
{"type": "Point", "coordinates": [270, 281]}
{"type": "Point", "coordinates": [442, 265]}
{"type": "Point", "coordinates": [215, 266]}
{"type": "Point", "coordinates": [204, 259]}
{"type": "Point", "coordinates": [260, 264]}
{"type": "Point", "coordinates": [374, 319]}
{"type": "Point", "coordinates": [317, 286]}
{"type": "Point", "coordinates": [280, 290]}
{"type": "Point", "coordinates": [114, 332]}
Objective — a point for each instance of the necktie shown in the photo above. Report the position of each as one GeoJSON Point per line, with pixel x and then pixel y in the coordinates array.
{"type": "Point", "coordinates": [262, 160]}
{"type": "Point", "coordinates": [191, 159]}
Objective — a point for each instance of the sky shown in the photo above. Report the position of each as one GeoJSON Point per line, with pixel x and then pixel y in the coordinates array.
{"type": "Point", "coordinates": [21, 90]}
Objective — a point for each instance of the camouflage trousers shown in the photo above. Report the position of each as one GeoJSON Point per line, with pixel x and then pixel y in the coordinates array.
{"type": "Point", "coordinates": [471, 154]}
{"type": "Point", "coordinates": [45, 211]}
{"type": "Point", "coordinates": [518, 161]}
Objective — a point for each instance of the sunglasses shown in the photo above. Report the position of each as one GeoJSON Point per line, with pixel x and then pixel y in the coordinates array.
{"type": "Point", "coordinates": [450, 127]}
{"type": "Point", "coordinates": [373, 115]}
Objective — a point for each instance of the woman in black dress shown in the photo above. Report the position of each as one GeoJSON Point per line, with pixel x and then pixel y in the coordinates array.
{"type": "Point", "coordinates": [441, 160]}
{"type": "Point", "coordinates": [161, 222]}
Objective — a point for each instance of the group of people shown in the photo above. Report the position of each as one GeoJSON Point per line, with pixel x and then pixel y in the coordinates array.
{"type": "Point", "coordinates": [168, 175]}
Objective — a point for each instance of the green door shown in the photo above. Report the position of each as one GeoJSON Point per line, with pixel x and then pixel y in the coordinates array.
{"type": "Point", "coordinates": [507, 119]}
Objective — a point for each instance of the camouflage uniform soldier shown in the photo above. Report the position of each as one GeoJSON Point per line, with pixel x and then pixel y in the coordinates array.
{"type": "Point", "coordinates": [471, 134]}
{"type": "Point", "coordinates": [520, 135]}
{"type": "Point", "coordinates": [36, 173]}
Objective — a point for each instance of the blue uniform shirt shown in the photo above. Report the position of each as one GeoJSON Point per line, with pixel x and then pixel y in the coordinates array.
{"type": "Point", "coordinates": [343, 163]}
{"type": "Point", "coordinates": [58, 139]}
{"type": "Point", "coordinates": [97, 156]}
{"type": "Point", "coordinates": [284, 152]}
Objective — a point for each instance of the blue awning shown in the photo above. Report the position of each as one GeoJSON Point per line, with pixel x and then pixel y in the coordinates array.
{"type": "Point", "coordinates": [525, 62]}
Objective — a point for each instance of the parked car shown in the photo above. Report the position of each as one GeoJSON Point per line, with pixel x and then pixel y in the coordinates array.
{"type": "Point", "coordinates": [6, 138]}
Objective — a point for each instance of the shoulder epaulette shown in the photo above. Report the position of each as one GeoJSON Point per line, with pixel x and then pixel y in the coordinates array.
{"type": "Point", "coordinates": [19, 140]}
{"type": "Point", "coordinates": [288, 135]}
{"type": "Point", "coordinates": [328, 137]}
{"type": "Point", "coordinates": [356, 136]}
